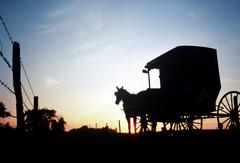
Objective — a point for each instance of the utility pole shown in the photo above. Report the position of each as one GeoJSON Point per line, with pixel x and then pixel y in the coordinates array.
{"type": "Point", "coordinates": [16, 68]}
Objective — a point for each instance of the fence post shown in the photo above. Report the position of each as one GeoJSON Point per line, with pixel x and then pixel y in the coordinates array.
{"type": "Point", "coordinates": [35, 114]}
{"type": "Point", "coordinates": [119, 126]}
{"type": "Point", "coordinates": [16, 68]}
{"type": "Point", "coordinates": [35, 103]}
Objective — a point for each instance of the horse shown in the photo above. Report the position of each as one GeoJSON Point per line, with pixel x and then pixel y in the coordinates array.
{"type": "Point", "coordinates": [132, 106]}
{"type": "Point", "coordinates": [129, 106]}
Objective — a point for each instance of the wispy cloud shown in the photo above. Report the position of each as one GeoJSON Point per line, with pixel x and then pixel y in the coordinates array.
{"type": "Point", "coordinates": [63, 10]}
{"type": "Point", "coordinates": [50, 82]}
{"type": "Point", "coordinates": [73, 17]}
{"type": "Point", "coordinates": [231, 81]}
{"type": "Point", "coordinates": [54, 27]}
{"type": "Point", "coordinates": [192, 14]}
{"type": "Point", "coordinates": [44, 29]}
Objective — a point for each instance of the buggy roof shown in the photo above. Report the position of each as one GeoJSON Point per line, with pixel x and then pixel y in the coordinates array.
{"type": "Point", "coordinates": [190, 76]}
{"type": "Point", "coordinates": [193, 53]}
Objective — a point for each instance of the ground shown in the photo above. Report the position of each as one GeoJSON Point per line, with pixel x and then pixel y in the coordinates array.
{"type": "Point", "coordinates": [100, 145]}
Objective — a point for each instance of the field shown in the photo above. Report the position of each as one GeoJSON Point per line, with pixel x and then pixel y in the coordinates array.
{"type": "Point", "coordinates": [102, 145]}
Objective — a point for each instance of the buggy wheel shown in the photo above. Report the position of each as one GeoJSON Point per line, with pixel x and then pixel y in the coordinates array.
{"type": "Point", "coordinates": [144, 124]}
{"type": "Point", "coordinates": [140, 125]}
{"type": "Point", "coordinates": [178, 126]}
{"type": "Point", "coordinates": [193, 122]}
{"type": "Point", "coordinates": [174, 125]}
{"type": "Point", "coordinates": [184, 123]}
{"type": "Point", "coordinates": [228, 111]}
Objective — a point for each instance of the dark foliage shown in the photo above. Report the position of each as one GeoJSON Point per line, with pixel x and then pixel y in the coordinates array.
{"type": "Point", "coordinates": [3, 112]}
{"type": "Point", "coordinates": [44, 120]}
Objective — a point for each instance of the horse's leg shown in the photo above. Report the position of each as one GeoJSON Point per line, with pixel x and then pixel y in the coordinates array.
{"type": "Point", "coordinates": [154, 126]}
{"type": "Point", "coordinates": [135, 124]}
{"type": "Point", "coordinates": [129, 125]}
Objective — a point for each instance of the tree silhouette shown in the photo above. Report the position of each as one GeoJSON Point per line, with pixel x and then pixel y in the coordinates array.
{"type": "Point", "coordinates": [3, 112]}
{"type": "Point", "coordinates": [44, 120]}
{"type": "Point", "coordinates": [58, 126]}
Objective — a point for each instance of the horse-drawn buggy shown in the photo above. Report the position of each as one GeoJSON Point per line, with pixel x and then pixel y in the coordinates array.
{"type": "Point", "coordinates": [190, 85]}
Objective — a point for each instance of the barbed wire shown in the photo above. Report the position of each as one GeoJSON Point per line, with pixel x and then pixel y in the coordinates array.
{"type": "Point", "coordinates": [5, 27]}
{"type": "Point", "coordinates": [7, 87]}
{"type": "Point", "coordinates": [1, 45]}
{"type": "Point", "coordinates": [9, 65]}
{"type": "Point", "coordinates": [5, 59]}
{"type": "Point", "coordinates": [26, 94]}
{"type": "Point", "coordinates": [10, 90]}
{"type": "Point", "coordinates": [25, 72]}
{"type": "Point", "coordinates": [25, 106]}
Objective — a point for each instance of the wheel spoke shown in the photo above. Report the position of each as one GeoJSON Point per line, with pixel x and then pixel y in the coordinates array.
{"type": "Point", "coordinates": [238, 100]}
{"type": "Point", "coordinates": [228, 123]}
{"type": "Point", "coordinates": [225, 107]}
{"type": "Point", "coordinates": [138, 127]}
{"type": "Point", "coordinates": [226, 120]}
{"type": "Point", "coordinates": [195, 127]}
{"type": "Point", "coordinates": [180, 124]}
{"type": "Point", "coordinates": [196, 122]}
{"type": "Point", "coordinates": [228, 103]}
{"type": "Point", "coordinates": [224, 111]}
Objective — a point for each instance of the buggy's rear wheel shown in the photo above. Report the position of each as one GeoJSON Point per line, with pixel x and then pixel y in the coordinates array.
{"type": "Point", "coordinates": [228, 111]}
{"type": "Point", "coordinates": [194, 122]}
{"type": "Point", "coordinates": [184, 123]}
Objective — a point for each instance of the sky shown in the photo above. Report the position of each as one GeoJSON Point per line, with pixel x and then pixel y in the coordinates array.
{"type": "Point", "coordinates": [76, 52]}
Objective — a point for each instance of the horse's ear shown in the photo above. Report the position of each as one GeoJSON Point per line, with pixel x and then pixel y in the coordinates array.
{"type": "Point", "coordinates": [117, 87]}
{"type": "Point", "coordinates": [122, 87]}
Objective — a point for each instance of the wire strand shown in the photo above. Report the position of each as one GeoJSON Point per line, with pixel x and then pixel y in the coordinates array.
{"type": "Point", "coordinates": [25, 105]}
{"type": "Point", "coordinates": [25, 72]}
{"type": "Point", "coordinates": [5, 59]}
{"type": "Point", "coordinates": [1, 46]}
{"type": "Point", "coordinates": [7, 87]}
{"type": "Point", "coordinates": [5, 27]}
{"type": "Point", "coordinates": [11, 91]}
{"type": "Point", "coordinates": [26, 95]}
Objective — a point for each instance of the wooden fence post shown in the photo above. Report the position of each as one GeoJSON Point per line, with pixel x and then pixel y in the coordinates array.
{"type": "Point", "coordinates": [16, 68]}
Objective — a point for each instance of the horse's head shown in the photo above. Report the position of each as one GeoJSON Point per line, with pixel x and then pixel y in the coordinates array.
{"type": "Point", "coordinates": [119, 95]}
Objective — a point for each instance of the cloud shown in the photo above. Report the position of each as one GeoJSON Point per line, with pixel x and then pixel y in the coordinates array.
{"type": "Point", "coordinates": [59, 19]}
{"type": "Point", "coordinates": [54, 27]}
{"type": "Point", "coordinates": [63, 10]}
{"type": "Point", "coordinates": [50, 82]}
{"type": "Point", "coordinates": [231, 81]}
{"type": "Point", "coordinates": [73, 16]}
{"type": "Point", "coordinates": [44, 29]}
{"type": "Point", "coordinates": [192, 14]}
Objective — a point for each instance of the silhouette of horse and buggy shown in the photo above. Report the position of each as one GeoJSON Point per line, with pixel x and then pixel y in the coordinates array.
{"type": "Point", "coordinates": [190, 84]}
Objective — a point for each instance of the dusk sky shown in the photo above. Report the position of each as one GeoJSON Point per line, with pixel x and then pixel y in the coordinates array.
{"type": "Point", "coordinates": [77, 51]}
